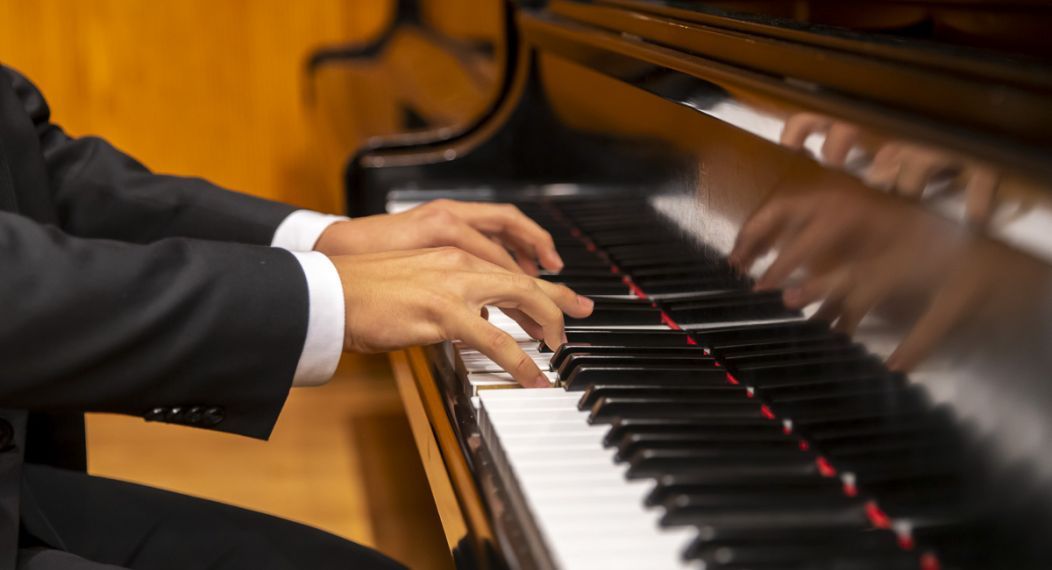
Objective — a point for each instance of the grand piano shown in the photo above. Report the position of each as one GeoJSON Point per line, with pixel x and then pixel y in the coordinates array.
{"type": "Point", "coordinates": [891, 159]}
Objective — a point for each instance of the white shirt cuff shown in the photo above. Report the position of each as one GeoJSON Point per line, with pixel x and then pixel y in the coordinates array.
{"type": "Point", "coordinates": [301, 230]}
{"type": "Point", "coordinates": [325, 327]}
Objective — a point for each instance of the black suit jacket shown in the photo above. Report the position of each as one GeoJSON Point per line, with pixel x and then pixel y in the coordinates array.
{"type": "Point", "coordinates": [128, 292]}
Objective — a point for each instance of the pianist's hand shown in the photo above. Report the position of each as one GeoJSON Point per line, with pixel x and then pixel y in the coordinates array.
{"type": "Point", "coordinates": [487, 231]}
{"type": "Point", "coordinates": [400, 299]}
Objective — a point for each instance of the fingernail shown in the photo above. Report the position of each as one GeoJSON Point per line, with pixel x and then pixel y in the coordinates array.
{"type": "Point", "coordinates": [558, 261]}
{"type": "Point", "coordinates": [585, 302]}
{"type": "Point", "coordinates": [541, 381]}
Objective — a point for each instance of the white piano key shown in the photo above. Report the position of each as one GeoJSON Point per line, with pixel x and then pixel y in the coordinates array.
{"type": "Point", "coordinates": [589, 514]}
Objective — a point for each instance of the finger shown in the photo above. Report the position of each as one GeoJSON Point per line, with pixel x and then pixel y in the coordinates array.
{"type": "Point", "coordinates": [577, 306]}
{"type": "Point", "coordinates": [531, 327]}
{"type": "Point", "coordinates": [914, 175]}
{"type": "Point", "coordinates": [516, 229]}
{"type": "Point", "coordinates": [831, 307]}
{"type": "Point", "coordinates": [839, 141]}
{"type": "Point", "coordinates": [979, 196]}
{"type": "Point", "coordinates": [526, 260]}
{"type": "Point", "coordinates": [470, 240]}
{"type": "Point", "coordinates": [812, 290]}
{"type": "Point", "coordinates": [799, 127]}
{"type": "Point", "coordinates": [524, 293]}
{"type": "Point", "coordinates": [885, 168]}
{"type": "Point", "coordinates": [500, 347]}
{"type": "Point", "coordinates": [945, 312]}
{"type": "Point", "coordinates": [812, 242]}
{"type": "Point", "coordinates": [759, 233]}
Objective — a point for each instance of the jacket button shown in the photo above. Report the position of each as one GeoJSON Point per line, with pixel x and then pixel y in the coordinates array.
{"type": "Point", "coordinates": [174, 415]}
{"type": "Point", "coordinates": [7, 436]}
{"type": "Point", "coordinates": [195, 415]}
{"type": "Point", "coordinates": [213, 416]}
{"type": "Point", "coordinates": [155, 415]}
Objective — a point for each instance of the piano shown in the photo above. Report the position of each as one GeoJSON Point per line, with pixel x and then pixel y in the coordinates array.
{"type": "Point", "coordinates": [696, 420]}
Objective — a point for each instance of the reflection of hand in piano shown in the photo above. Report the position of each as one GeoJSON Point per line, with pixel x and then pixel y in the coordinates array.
{"type": "Point", "coordinates": [900, 167]}
{"type": "Point", "coordinates": [400, 299]}
{"type": "Point", "coordinates": [486, 231]}
{"type": "Point", "coordinates": [860, 249]}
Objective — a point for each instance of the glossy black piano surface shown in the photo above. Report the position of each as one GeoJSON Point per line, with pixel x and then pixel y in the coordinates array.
{"type": "Point", "coordinates": [899, 156]}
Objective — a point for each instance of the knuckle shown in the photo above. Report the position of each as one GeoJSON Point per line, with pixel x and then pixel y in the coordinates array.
{"type": "Point", "coordinates": [523, 363]}
{"type": "Point", "coordinates": [498, 340]}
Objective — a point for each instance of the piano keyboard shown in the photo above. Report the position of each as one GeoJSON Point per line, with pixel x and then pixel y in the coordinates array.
{"type": "Point", "coordinates": [693, 423]}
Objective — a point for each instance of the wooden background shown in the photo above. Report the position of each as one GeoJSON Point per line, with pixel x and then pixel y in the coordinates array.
{"type": "Point", "coordinates": [208, 87]}
{"type": "Point", "coordinates": [214, 88]}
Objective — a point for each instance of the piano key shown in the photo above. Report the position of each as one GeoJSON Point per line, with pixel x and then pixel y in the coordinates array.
{"type": "Point", "coordinates": [689, 375]}
{"type": "Point", "coordinates": [636, 338]}
{"type": "Point", "coordinates": [576, 496]}
{"type": "Point", "coordinates": [596, 391]}
{"type": "Point", "coordinates": [574, 361]}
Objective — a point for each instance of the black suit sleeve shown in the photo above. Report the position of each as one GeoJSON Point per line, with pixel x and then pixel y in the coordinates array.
{"type": "Point", "coordinates": [180, 330]}
{"type": "Point", "coordinates": [100, 192]}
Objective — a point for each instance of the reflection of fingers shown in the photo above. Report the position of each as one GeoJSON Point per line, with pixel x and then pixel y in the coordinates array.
{"type": "Point", "coordinates": [839, 141]}
{"type": "Point", "coordinates": [800, 126]}
{"type": "Point", "coordinates": [944, 313]}
{"type": "Point", "coordinates": [884, 170]}
{"type": "Point", "coordinates": [501, 348]}
{"type": "Point", "coordinates": [833, 304]}
{"type": "Point", "coordinates": [812, 289]}
{"type": "Point", "coordinates": [484, 312]}
{"type": "Point", "coordinates": [914, 175]}
{"type": "Point", "coordinates": [979, 195]}
{"type": "Point", "coordinates": [759, 232]}
{"type": "Point", "coordinates": [812, 242]}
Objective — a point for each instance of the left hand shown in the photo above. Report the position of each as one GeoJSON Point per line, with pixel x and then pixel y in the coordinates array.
{"type": "Point", "coordinates": [486, 231]}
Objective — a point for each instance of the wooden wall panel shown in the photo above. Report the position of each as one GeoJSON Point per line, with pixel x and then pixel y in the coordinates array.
{"type": "Point", "coordinates": [202, 87]}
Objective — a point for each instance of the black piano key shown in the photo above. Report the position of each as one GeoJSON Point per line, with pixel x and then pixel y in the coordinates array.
{"type": "Point", "coordinates": [699, 406]}
{"type": "Point", "coordinates": [630, 443]}
{"type": "Point", "coordinates": [789, 355]}
{"type": "Point", "coordinates": [852, 405]}
{"type": "Point", "coordinates": [721, 337]}
{"type": "Point", "coordinates": [689, 375]}
{"type": "Point", "coordinates": [593, 287]}
{"type": "Point", "coordinates": [624, 427]}
{"type": "Point", "coordinates": [862, 551]}
{"type": "Point", "coordinates": [652, 463]}
{"type": "Point", "coordinates": [821, 340]}
{"type": "Point", "coordinates": [614, 350]}
{"type": "Point", "coordinates": [777, 392]}
{"type": "Point", "coordinates": [596, 391]}
{"type": "Point", "coordinates": [625, 315]}
{"type": "Point", "coordinates": [669, 485]}
{"type": "Point", "coordinates": [697, 358]}
{"type": "Point", "coordinates": [801, 511]}
{"type": "Point", "coordinates": [633, 443]}
{"type": "Point", "coordinates": [731, 307]}
{"type": "Point", "coordinates": [626, 338]}
{"type": "Point", "coordinates": [818, 368]}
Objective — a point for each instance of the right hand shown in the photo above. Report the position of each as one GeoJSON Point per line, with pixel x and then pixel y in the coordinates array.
{"type": "Point", "coordinates": [399, 299]}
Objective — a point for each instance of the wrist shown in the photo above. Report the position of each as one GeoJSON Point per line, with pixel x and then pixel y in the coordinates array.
{"type": "Point", "coordinates": [333, 239]}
